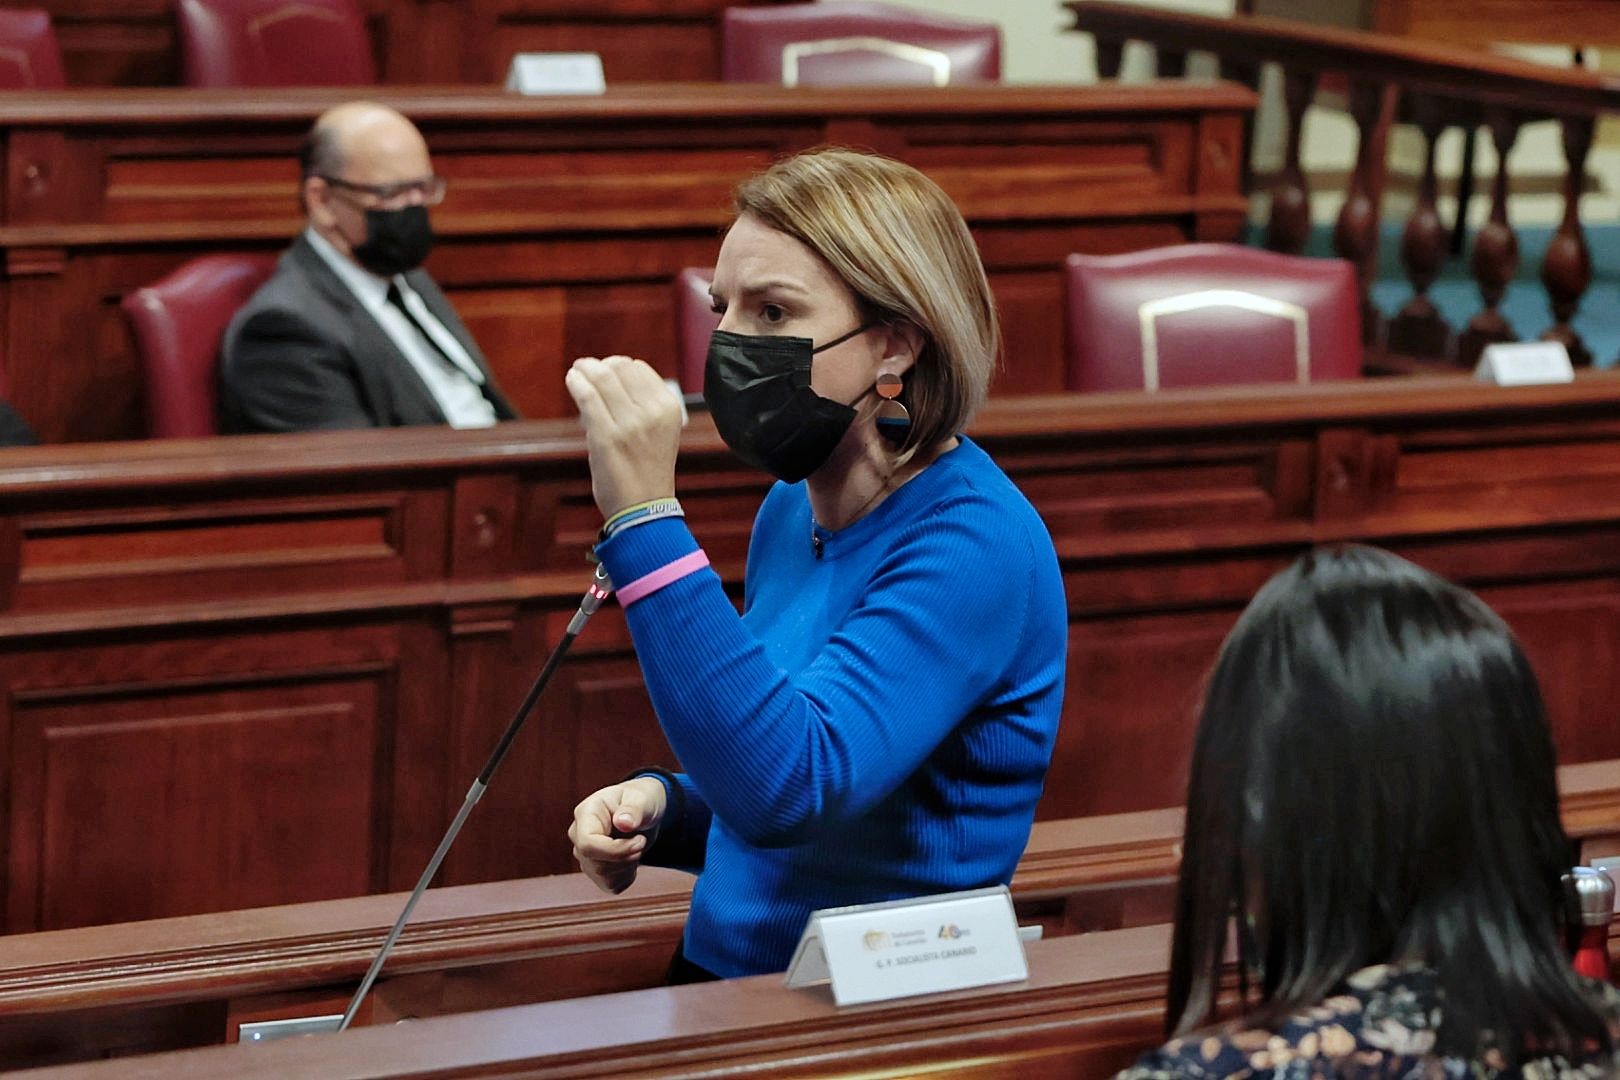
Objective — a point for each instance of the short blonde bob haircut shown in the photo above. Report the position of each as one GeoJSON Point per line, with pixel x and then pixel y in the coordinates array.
{"type": "Point", "coordinates": [901, 246]}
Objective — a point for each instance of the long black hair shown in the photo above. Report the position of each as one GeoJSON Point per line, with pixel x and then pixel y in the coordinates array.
{"type": "Point", "coordinates": [1373, 781]}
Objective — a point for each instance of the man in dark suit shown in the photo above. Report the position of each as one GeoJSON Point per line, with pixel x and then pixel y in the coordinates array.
{"type": "Point", "coordinates": [349, 333]}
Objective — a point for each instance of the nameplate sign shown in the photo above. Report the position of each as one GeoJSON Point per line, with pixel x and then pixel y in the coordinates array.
{"type": "Point", "coordinates": [1525, 363]}
{"type": "Point", "coordinates": [556, 73]}
{"type": "Point", "coordinates": [877, 952]}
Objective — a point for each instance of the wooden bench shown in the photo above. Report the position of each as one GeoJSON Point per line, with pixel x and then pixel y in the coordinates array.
{"type": "Point", "coordinates": [170, 983]}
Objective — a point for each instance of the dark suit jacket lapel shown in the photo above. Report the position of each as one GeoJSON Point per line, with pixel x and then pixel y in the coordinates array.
{"type": "Point", "coordinates": [439, 304]}
{"type": "Point", "coordinates": [370, 343]}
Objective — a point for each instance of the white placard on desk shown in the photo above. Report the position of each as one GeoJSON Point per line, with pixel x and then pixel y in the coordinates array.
{"type": "Point", "coordinates": [877, 952]}
{"type": "Point", "coordinates": [1525, 363]}
{"type": "Point", "coordinates": [556, 73]}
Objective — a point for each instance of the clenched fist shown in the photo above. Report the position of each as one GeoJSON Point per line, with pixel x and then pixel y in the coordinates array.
{"type": "Point", "coordinates": [632, 430]}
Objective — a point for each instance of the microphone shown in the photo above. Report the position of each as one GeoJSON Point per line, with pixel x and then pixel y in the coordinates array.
{"type": "Point", "coordinates": [600, 589]}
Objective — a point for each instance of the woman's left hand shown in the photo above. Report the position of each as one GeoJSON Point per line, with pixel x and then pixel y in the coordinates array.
{"type": "Point", "coordinates": [632, 429]}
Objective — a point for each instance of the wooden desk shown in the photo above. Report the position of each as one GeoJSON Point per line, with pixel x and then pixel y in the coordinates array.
{"type": "Point", "coordinates": [106, 991]}
{"type": "Point", "coordinates": [295, 651]}
{"type": "Point", "coordinates": [568, 218]}
{"type": "Point", "coordinates": [1091, 1004]}
{"type": "Point", "coordinates": [136, 43]}
{"type": "Point", "coordinates": [75, 995]}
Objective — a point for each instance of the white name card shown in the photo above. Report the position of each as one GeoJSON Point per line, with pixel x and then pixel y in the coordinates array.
{"type": "Point", "coordinates": [556, 73]}
{"type": "Point", "coordinates": [1525, 363]}
{"type": "Point", "coordinates": [877, 952]}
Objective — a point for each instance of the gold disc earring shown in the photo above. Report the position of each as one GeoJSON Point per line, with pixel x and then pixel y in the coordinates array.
{"type": "Point", "coordinates": [893, 418]}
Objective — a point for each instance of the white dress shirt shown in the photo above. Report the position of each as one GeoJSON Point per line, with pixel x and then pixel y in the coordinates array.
{"type": "Point", "coordinates": [455, 386]}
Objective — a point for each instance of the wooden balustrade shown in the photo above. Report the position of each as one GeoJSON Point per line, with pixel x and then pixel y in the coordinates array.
{"type": "Point", "coordinates": [1435, 88]}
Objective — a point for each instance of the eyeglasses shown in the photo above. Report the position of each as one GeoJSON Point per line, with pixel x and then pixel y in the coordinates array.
{"type": "Point", "coordinates": [430, 191]}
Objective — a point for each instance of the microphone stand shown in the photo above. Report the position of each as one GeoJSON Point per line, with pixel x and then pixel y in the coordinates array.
{"type": "Point", "coordinates": [601, 588]}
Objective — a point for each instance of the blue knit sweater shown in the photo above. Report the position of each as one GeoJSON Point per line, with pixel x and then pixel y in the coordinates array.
{"type": "Point", "coordinates": [879, 721]}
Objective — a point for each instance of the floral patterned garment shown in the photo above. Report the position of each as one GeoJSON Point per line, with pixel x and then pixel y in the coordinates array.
{"type": "Point", "coordinates": [1382, 1028]}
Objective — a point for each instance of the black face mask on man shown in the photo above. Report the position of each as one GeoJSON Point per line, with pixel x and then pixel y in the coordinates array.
{"type": "Point", "coordinates": [757, 388]}
{"type": "Point", "coordinates": [396, 241]}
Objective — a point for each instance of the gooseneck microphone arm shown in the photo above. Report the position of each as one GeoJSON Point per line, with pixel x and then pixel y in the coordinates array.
{"type": "Point", "coordinates": [601, 588]}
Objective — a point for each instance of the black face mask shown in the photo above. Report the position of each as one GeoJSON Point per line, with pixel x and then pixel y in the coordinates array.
{"type": "Point", "coordinates": [757, 388]}
{"type": "Point", "coordinates": [396, 240]}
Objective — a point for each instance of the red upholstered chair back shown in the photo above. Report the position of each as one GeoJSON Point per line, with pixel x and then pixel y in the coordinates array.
{"type": "Point", "coordinates": [274, 43]}
{"type": "Point", "coordinates": [853, 43]}
{"type": "Point", "coordinates": [178, 325]}
{"type": "Point", "coordinates": [30, 58]}
{"type": "Point", "coordinates": [1209, 314]}
{"type": "Point", "coordinates": [695, 320]}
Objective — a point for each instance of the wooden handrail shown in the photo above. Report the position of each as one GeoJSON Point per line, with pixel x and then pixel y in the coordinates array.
{"type": "Point", "coordinates": [1425, 67]}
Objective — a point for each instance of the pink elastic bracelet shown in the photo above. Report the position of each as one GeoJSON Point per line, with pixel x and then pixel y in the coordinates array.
{"type": "Point", "coordinates": [664, 575]}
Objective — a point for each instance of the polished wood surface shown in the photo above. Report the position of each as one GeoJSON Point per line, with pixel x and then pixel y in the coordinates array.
{"type": "Point", "coordinates": [1091, 1004]}
{"type": "Point", "coordinates": [1487, 22]}
{"type": "Point", "coordinates": [135, 42]}
{"type": "Point", "coordinates": [75, 995]}
{"type": "Point", "coordinates": [568, 218]}
{"type": "Point", "coordinates": [292, 653]}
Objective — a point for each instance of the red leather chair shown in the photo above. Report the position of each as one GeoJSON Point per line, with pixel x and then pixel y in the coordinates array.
{"type": "Point", "coordinates": [853, 43]}
{"type": "Point", "coordinates": [274, 43]}
{"type": "Point", "coordinates": [30, 58]}
{"type": "Point", "coordinates": [695, 320]}
{"type": "Point", "coordinates": [1209, 314]}
{"type": "Point", "coordinates": [178, 324]}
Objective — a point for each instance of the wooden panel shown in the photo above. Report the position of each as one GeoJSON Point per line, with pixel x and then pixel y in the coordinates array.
{"type": "Point", "coordinates": [234, 789]}
{"type": "Point", "coordinates": [177, 785]}
{"type": "Point", "coordinates": [153, 553]}
{"type": "Point", "coordinates": [566, 218]}
{"type": "Point", "coordinates": [418, 578]}
{"type": "Point", "coordinates": [135, 42]}
{"type": "Point", "coordinates": [1130, 710]}
{"type": "Point", "coordinates": [679, 53]}
{"type": "Point", "coordinates": [1486, 22]}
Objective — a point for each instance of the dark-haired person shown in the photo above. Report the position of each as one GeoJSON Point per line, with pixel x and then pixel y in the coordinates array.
{"type": "Point", "coordinates": [878, 722]}
{"type": "Point", "coordinates": [350, 332]}
{"type": "Point", "coordinates": [1373, 810]}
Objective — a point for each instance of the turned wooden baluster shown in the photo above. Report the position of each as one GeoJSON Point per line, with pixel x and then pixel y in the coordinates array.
{"type": "Point", "coordinates": [1290, 223]}
{"type": "Point", "coordinates": [1355, 234]}
{"type": "Point", "coordinates": [1110, 56]}
{"type": "Point", "coordinates": [1419, 329]}
{"type": "Point", "coordinates": [1567, 270]}
{"type": "Point", "coordinates": [1240, 70]}
{"type": "Point", "coordinates": [1496, 251]}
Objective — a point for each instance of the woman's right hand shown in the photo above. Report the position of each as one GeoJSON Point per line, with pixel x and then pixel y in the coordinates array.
{"type": "Point", "coordinates": [632, 810]}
